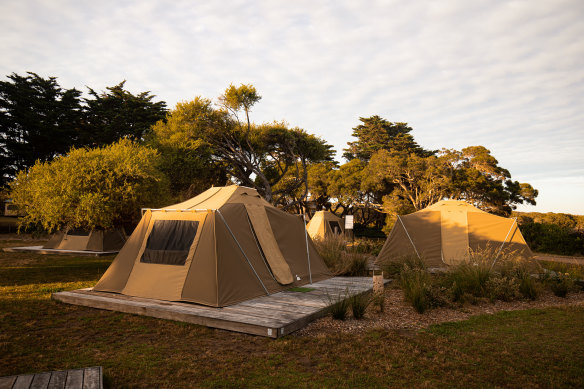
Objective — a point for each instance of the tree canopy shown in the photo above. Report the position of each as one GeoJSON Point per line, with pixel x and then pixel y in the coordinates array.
{"type": "Point", "coordinates": [91, 188]}
{"type": "Point", "coordinates": [39, 120]}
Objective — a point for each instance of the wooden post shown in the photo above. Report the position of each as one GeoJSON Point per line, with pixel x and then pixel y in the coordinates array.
{"type": "Point", "coordinates": [378, 291]}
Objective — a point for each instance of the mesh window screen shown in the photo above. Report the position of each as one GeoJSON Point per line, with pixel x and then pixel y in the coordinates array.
{"type": "Point", "coordinates": [169, 242]}
{"type": "Point", "coordinates": [335, 227]}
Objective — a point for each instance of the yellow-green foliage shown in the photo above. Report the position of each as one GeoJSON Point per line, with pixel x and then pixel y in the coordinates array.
{"type": "Point", "coordinates": [89, 188]}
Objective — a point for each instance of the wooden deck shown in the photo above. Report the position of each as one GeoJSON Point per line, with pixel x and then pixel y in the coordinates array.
{"type": "Point", "coordinates": [273, 316]}
{"type": "Point", "coordinates": [88, 378]}
{"type": "Point", "coordinates": [41, 250]}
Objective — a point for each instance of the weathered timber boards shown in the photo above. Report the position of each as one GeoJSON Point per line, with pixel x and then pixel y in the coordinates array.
{"type": "Point", "coordinates": [87, 378]}
{"type": "Point", "coordinates": [272, 315]}
{"type": "Point", "coordinates": [41, 250]}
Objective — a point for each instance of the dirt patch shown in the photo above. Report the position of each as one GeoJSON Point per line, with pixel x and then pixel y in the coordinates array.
{"type": "Point", "coordinates": [402, 318]}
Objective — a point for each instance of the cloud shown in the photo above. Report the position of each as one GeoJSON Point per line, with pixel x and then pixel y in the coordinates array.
{"type": "Point", "coordinates": [508, 75]}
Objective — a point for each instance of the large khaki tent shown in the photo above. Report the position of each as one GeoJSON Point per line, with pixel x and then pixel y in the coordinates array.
{"type": "Point", "coordinates": [224, 246]}
{"type": "Point", "coordinates": [83, 240]}
{"type": "Point", "coordinates": [324, 224]}
{"type": "Point", "coordinates": [443, 233]}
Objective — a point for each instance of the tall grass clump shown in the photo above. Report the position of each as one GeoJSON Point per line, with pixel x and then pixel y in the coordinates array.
{"type": "Point", "coordinates": [331, 249]}
{"type": "Point", "coordinates": [528, 286]}
{"type": "Point", "coordinates": [469, 278]}
{"type": "Point", "coordinates": [359, 304]}
{"type": "Point", "coordinates": [340, 260]}
{"type": "Point", "coordinates": [417, 287]}
{"type": "Point", "coordinates": [339, 305]}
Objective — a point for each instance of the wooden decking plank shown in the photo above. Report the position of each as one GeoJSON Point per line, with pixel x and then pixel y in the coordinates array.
{"type": "Point", "coordinates": [23, 381]}
{"type": "Point", "coordinates": [280, 306]}
{"type": "Point", "coordinates": [40, 381]}
{"type": "Point", "coordinates": [227, 322]}
{"type": "Point", "coordinates": [273, 313]}
{"type": "Point", "coordinates": [74, 379]}
{"type": "Point", "coordinates": [92, 378]}
{"type": "Point", "coordinates": [7, 382]}
{"type": "Point", "coordinates": [58, 379]}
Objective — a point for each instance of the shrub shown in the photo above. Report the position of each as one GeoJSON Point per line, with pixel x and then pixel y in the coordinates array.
{"type": "Point", "coordinates": [368, 246]}
{"type": "Point", "coordinates": [359, 304]}
{"type": "Point", "coordinates": [91, 188]}
{"type": "Point", "coordinates": [561, 283]}
{"type": "Point", "coordinates": [503, 288]}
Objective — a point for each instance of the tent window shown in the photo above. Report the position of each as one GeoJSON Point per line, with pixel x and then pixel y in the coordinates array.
{"type": "Point", "coordinates": [169, 242]}
{"type": "Point", "coordinates": [335, 227]}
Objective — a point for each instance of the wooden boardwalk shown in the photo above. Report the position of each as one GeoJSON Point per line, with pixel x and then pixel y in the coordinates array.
{"type": "Point", "coordinates": [273, 316]}
{"type": "Point", "coordinates": [41, 250]}
{"type": "Point", "coordinates": [88, 378]}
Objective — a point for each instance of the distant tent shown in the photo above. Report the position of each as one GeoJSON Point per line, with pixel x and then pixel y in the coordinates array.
{"type": "Point", "coordinates": [224, 246]}
{"type": "Point", "coordinates": [84, 240]}
{"type": "Point", "coordinates": [324, 224]}
{"type": "Point", "coordinates": [444, 232]}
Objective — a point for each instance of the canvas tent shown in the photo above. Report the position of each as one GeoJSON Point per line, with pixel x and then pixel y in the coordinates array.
{"type": "Point", "coordinates": [443, 233]}
{"type": "Point", "coordinates": [221, 247]}
{"type": "Point", "coordinates": [324, 224]}
{"type": "Point", "coordinates": [83, 240]}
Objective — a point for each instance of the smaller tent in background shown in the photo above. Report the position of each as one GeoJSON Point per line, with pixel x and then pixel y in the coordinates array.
{"type": "Point", "coordinates": [444, 233]}
{"type": "Point", "coordinates": [324, 224]}
{"type": "Point", "coordinates": [84, 240]}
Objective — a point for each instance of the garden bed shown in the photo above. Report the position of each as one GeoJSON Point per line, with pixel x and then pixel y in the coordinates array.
{"type": "Point", "coordinates": [399, 315]}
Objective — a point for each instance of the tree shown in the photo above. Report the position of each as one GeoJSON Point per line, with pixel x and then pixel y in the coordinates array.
{"type": "Point", "coordinates": [260, 156]}
{"type": "Point", "coordinates": [476, 177]}
{"type": "Point", "coordinates": [38, 120]}
{"type": "Point", "coordinates": [187, 157]}
{"type": "Point", "coordinates": [377, 134]}
{"type": "Point", "coordinates": [91, 188]}
{"type": "Point", "coordinates": [419, 181]}
{"type": "Point", "coordinates": [118, 113]}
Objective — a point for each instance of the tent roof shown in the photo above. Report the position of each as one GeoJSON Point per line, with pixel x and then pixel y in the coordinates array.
{"type": "Point", "coordinates": [216, 197]}
{"type": "Point", "coordinates": [451, 205]}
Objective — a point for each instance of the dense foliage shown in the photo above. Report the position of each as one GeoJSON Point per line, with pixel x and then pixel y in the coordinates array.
{"type": "Point", "coordinates": [91, 188]}
{"type": "Point", "coordinates": [39, 120]}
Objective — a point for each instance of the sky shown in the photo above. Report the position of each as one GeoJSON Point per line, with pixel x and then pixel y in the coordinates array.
{"type": "Point", "coordinates": [508, 75]}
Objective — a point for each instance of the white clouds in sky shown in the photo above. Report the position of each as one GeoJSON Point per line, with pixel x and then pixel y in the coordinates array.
{"type": "Point", "coordinates": [508, 75]}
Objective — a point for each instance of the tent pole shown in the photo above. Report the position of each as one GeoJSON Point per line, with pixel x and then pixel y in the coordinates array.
{"type": "Point", "coordinates": [306, 238]}
{"type": "Point", "coordinates": [502, 244]}
{"type": "Point", "coordinates": [406, 230]}
{"type": "Point", "coordinates": [243, 252]}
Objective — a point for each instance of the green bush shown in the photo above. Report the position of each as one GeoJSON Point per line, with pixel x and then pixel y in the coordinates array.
{"type": "Point", "coordinates": [91, 188]}
{"type": "Point", "coordinates": [368, 246]}
{"type": "Point", "coordinates": [355, 264]}
{"type": "Point", "coordinates": [553, 238]}
{"type": "Point", "coordinates": [502, 288]}
{"type": "Point", "coordinates": [560, 283]}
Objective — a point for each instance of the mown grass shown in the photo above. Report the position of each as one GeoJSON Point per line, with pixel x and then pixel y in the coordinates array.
{"type": "Point", "coordinates": [520, 349]}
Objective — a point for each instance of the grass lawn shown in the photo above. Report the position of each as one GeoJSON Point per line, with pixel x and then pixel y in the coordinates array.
{"type": "Point", "coordinates": [532, 348]}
